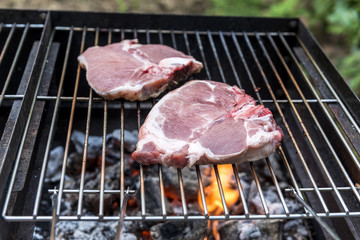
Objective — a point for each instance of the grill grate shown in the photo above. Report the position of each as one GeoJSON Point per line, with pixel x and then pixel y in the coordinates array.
{"type": "Point", "coordinates": [274, 67]}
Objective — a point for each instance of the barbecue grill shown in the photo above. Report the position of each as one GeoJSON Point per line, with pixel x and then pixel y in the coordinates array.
{"type": "Point", "coordinates": [44, 97]}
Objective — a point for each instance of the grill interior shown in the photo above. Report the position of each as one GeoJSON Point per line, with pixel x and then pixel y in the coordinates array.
{"type": "Point", "coordinates": [277, 62]}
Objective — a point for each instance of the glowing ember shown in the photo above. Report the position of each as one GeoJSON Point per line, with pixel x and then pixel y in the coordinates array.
{"type": "Point", "coordinates": [212, 194]}
{"type": "Point", "coordinates": [145, 235]}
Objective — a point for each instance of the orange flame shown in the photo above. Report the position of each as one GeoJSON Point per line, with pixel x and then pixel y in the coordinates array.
{"type": "Point", "coordinates": [213, 197]}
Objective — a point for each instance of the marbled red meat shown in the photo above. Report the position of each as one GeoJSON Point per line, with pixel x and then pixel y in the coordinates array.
{"type": "Point", "coordinates": [206, 122]}
{"type": "Point", "coordinates": [133, 71]}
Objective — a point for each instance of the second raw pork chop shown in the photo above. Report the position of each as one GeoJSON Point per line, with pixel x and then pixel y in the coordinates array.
{"type": "Point", "coordinates": [206, 122]}
{"type": "Point", "coordinates": [133, 71]}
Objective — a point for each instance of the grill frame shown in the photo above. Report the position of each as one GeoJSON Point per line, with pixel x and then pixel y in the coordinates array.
{"type": "Point", "coordinates": [173, 25]}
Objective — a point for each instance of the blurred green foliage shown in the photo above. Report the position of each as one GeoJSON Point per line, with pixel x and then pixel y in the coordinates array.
{"type": "Point", "coordinates": [336, 21]}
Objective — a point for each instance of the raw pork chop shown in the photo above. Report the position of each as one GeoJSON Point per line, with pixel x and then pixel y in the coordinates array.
{"type": "Point", "coordinates": [206, 122]}
{"type": "Point", "coordinates": [133, 71]}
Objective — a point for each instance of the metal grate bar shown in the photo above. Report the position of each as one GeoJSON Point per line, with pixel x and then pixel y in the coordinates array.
{"type": "Point", "coordinates": [122, 138]}
{"type": "Point", "coordinates": [7, 42]}
{"type": "Point", "coordinates": [321, 131]}
{"type": "Point", "coordinates": [99, 99]}
{"type": "Point", "coordinates": [202, 193]}
{"type": "Point", "coordinates": [103, 158]}
{"type": "Point", "coordinates": [162, 191]}
{"type": "Point", "coordinates": [90, 191]}
{"type": "Point", "coordinates": [221, 191]}
{"type": "Point", "coordinates": [182, 193]}
{"type": "Point", "coordinates": [301, 121]}
{"type": "Point", "coordinates": [87, 131]}
{"type": "Point", "coordinates": [143, 30]}
{"type": "Point", "coordinates": [180, 218]}
{"type": "Point", "coordinates": [32, 25]}
{"type": "Point", "coordinates": [202, 55]}
{"type": "Point", "coordinates": [327, 189]}
{"type": "Point", "coordinates": [286, 125]}
{"type": "Point", "coordinates": [103, 153]}
{"type": "Point", "coordinates": [122, 160]}
{"type": "Point", "coordinates": [83, 167]}
{"type": "Point", "coordinates": [258, 186]}
{"type": "Point", "coordinates": [142, 187]}
{"type": "Point", "coordinates": [14, 62]}
{"type": "Point", "coordinates": [52, 126]}
{"type": "Point", "coordinates": [62, 178]}
{"type": "Point", "coordinates": [241, 191]}
{"type": "Point", "coordinates": [229, 58]}
{"type": "Point", "coordinates": [216, 57]}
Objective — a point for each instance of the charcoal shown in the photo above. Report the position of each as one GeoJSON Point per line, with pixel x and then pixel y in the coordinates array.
{"type": "Point", "coordinates": [179, 230]}
{"type": "Point", "coordinates": [295, 229]}
{"type": "Point", "coordinates": [269, 228]}
{"type": "Point", "coordinates": [271, 199]}
{"type": "Point", "coordinates": [53, 172]}
{"type": "Point", "coordinates": [94, 144]}
{"type": "Point", "coordinates": [153, 197]}
{"type": "Point", "coordinates": [86, 230]}
{"type": "Point", "coordinates": [73, 164]}
{"type": "Point", "coordinates": [189, 176]}
{"type": "Point", "coordinates": [130, 139]}
{"type": "Point", "coordinates": [242, 230]}
{"type": "Point", "coordinates": [229, 230]}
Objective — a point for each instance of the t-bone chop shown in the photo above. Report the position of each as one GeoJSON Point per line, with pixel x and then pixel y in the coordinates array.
{"type": "Point", "coordinates": [206, 122]}
{"type": "Point", "coordinates": [134, 71]}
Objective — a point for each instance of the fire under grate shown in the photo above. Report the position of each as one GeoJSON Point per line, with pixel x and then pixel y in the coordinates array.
{"type": "Point", "coordinates": [319, 155]}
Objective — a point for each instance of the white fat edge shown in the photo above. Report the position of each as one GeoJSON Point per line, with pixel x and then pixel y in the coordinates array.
{"type": "Point", "coordinates": [197, 62]}
{"type": "Point", "coordinates": [211, 85]}
{"type": "Point", "coordinates": [127, 44]}
{"type": "Point", "coordinates": [196, 151]}
{"type": "Point", "coordinates": [173, 62]}
{"type": "Point", "coordinates": [211, 99]}
{"type": "Point", "coordinates": [126, 87]}
{"type": "Point", "coordinates": [261, 133]}
{"type": "Point", "coordinates": [83, 61]}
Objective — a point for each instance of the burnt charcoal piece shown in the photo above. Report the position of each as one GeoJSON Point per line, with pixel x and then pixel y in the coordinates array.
{"type": "Point", "coordinates": [130, 140]}
{"type": "Point", "coordinates": [86, 230]}
{"type": "Point", "coordinates": [190, 230]}
{"type": "Point", "coordinates": [295, 229]}
{"type": "Point", "coordinates": [94, 144]}
{"type": "Point", "coordinates": [53, 172]}
{"type": "Point", "coordinates": [191, 186]}
{"type": "Point", "coordinates": [153, 197]}
{"type": "Point", "coordinates": [239, 230]}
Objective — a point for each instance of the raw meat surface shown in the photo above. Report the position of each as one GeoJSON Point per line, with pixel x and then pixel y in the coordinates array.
{"type": "Point", "coordinates": [206, 122]}
{"type": "Point", "coordinates": [133, 71]}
